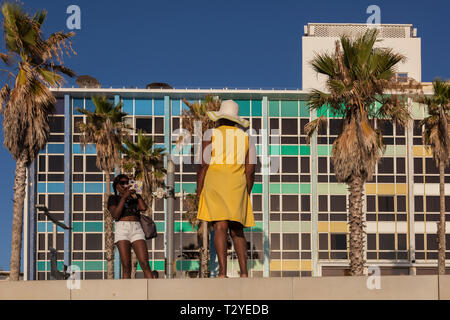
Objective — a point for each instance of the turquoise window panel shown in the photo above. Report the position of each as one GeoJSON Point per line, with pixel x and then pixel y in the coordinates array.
{"type": "Point", "coordinates": [244, 107]}
{"type": "Point", "coordinates": [257, 188]}
{"type": "Point", "coordinates": [55, 187]}
{"type": "Point", "coordinates": [93, 227]}
{"type": "Point", "coordinates": [289, 188]}
{"type": "Point", "coordinates": [184, 105]}
{"type": "Point", "coordinates": [274, 108]}
{"type": "Point", "coordinates": [94, 265]}
{"type": "Point", "coordinates": [304, 109]}
{"type": "Point", "coordinates": [45, 265]}
{"type": "Point", "coordinates": [77, 103]}
{"type": "Point", "coordinates": [256, 108]}
{"type": "Point", "coordinates": [183, 227]}
{"type": "Point", "coordinates": [289, 150]}
{"type": "Point", "coordinates": [77, 226]}
{"type": "Point", "coordinates": [159, 107]}
{"type": "Point", "coordinates": [79, 264]}
{"type": "Point", "coordinates": [89, 105]}
{"type": "Point", "coordinates": [305, 188]}
{"type": "Point", "coordinates": [274, 150]}
{"type": "Point", "coordinates": [289, 108]}
{"type": "Point", "coordinates": [143, 107]}
{"type": "Point", "coordinates": [160, 226]}
{"type": "Point", "coordinates": [176, 107]}
{"type": "Point", "coordinates": [177, 188]}
{"type": "Point", "coordinates": [186, 265]}
{"type": "Point", "coordinates": [305, 150]}
{"type": "Point", "coordinates": [275, 188]}
{"type": "Point", "coordinates": [88, 149]}
{"type": "Point", "coordinates": [42, 187]}
{"type": "Point", "coordinates": [43, 151]}
{"type": "Point", "coordinates": [323, 150]}
{"type": "Point", "coordinates": [55, 148]}
{"type": "Point", "coordinates": [189, 187]}
{"type": "Point", "coordinates": [160, 146]}
{"type": "Point", "coordinates": [93, 187]}
{"type": "Point", "coordinates": [322, 111]}
{"type": "Point", "coordinates": [77, 187]}
{"type": "Point", "coordinates": [128, 106]}
{"type": "Point", "coordinates": [44, 226]}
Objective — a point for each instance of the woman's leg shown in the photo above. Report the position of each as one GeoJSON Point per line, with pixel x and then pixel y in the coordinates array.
{"type": "Point", "coordinates": [220, 242]}
{"type": "Point", "coordinates": [124, 247]}
{"type": "Point", "coordinates": [240, 246]}
{"type": "Point", "coordinates": [140, 248]}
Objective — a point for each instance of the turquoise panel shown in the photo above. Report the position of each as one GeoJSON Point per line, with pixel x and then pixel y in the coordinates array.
{"type": "Point", "coordinates": [289, 150]}
{"type": "Point", "coordinates": [94, 265]}
{"type": "Point", "coordinates": [128, 106]}
{"type": "Point", "coordinates": [244, 107]}
{"type": "Point", "coordinates": [305, 150]}
{"type": "Point", "coordinates": [93, 227]}
{"type": "Point", "coordinates": [42, 187]}
{"type": "Point", "coordinates": [176, 107]}
{"type": "Point", "coordinates": [159, 107]}
{"type": "Point", "coordinates": [143, 107]}
{"type": "Point", "coordinates": [185, 265]}
{"type": "Point", "coordinates": [78, 187]}
{"type": "Point", "coordinates": [289, 108]}
{"type": "Point", "coordinates": [77, 226]}
{"type": "Point", "coordinates": [90, 106]}
{"type": "Point", "coordinates": [274, 108]}
{"type": "Point", "coordinates": [189, 187]}
{"type": "Point", "coordinates": [89, 149]}
{"type": "Point", "coordinates": [55, 187]}
{"type": "Point", "coordinates": [256, 108]}
{"type": "Point", "coordinates": [159, 226]}
{"type": "Point", "coordinates": [93, 187]}
{"type": "Point", "coordinates": [77, 103]}
{"type": "Point", "coordinates": [257, 188]}
{"type": "Point", "coordinates": [55, 148]}
{"type": "Point", "coordinates": [304, 109]}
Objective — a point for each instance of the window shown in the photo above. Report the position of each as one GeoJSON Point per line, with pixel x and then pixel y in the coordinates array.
{"type": "Point", "coordinates": [290, 241]}
{"type": "Point", "coordinates": [55, 202]}
{"type": "Point", "coordinates": [371, 241]}
{"type": "Point", "coordinates": [78, 164]}
{"type": "Point", "coordinates": [402, 76]}
{"type": "Point", "coordinates": [401, 165]}
{"type": "Point", "coordinates": [306, 203]}
{"type": "Point", "coordinates": [387, 241]}
{"type": "Point", "coordinates": [306, 241]}
{"type": "Point", "coordinates": [290, 164]}
{"type": "Point", "coordinates": [323, 241]}
{"type": "Point", "coordinates": [371, 205]}
{"type": "Point", "coordinates": [289, 126]}
{"type": "Point", "coordinates": [144, 124]}
{"type": "Point", "coordinates": [275, 241]}
{"type": "Point", "coordinates": [339, 203]}
{"type": "Point", "coordinates": [338, 241]}
{"type": "Point", "coordinates": [290, 203]}
{"type": "Point", "coordinates": [335, 126]}
{"type": "Point", "coordinates": [386, 203]}
{"type": "Point", "coordinates": [386, 165]}
{"type": "Point", "coordinates": [94, 241]}
{"type": "Point", "coordinates": [94, 203]}
{"type": "Point", "coordinates": [56, 163]}
{"type": "Point", "coordinates": [91, 165]}
{"type": "Point", "coordinates": [56, 124]}
{"type": "Point", "coordinates": [77, 203]}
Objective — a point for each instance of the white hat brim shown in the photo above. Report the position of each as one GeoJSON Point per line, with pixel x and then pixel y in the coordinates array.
{"type": "Point", "coordinates": [215, 115]}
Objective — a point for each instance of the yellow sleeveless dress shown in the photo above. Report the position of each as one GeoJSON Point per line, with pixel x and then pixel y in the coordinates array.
{"type": "Point", "coordinates": [224, 195]}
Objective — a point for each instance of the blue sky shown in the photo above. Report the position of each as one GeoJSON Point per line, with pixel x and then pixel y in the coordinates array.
{"type": "Point", "coordinates": [233, 43]}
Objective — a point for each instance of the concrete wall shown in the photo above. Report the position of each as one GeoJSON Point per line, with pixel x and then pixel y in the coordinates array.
{"type": "Point", "coordinates": [325, 288]}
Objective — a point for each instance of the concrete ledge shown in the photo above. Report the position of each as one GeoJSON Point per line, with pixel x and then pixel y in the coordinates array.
{"type": "Point", "coordinates": [34, 290]}
{"type": "Point", "coordinates": [325, 288]}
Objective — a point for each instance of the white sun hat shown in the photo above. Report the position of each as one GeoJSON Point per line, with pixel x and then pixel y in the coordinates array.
{"type": "Point", "coordinates": [228, 110]}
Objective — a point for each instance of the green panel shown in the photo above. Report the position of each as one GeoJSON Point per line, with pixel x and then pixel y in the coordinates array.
{"type": "Point", "coordinates": [274, 108]}
{"type": "Point", "coordinates": [93, 227]}
{"type": "Point", "coordinates": [289, 150]}
{"type": "Point", "coordinates": [400, 150]}
{"type": "Point", "coordinates": [188, 265]}
{"type": "Point", "coordinates": [305, 226]}
{"type": "Point", "coordinates": [390, 151]}
{"type": "Point", "coordinates": [159, 226]}
{"type": "Point", "coordinates": [258, 150]}
{"type": "Point", "coordinates": [289, 188]}
{"type": "Point", "coordinates": [274, 150]}
{"type": "Point", "coordinates": [257, 188]}
{"type": "Point", "coordinates": [305, 188]}
{"type": "Point", "coordinates": [322, 111]}
{"type": "Point", "coordinates": [291, 226]}
{"type": "Point", "coordinates": [77, 227]}
{"type": "Point", "coordinates": [275, 188]}
{"type": "Point", "coordinates": [189, 187]}
{"type": "Point", "coordinates": [305, 150]}
{"type": "Point", "coordinates": [94, 265]}
{"type": "Point", "coordinates": [183, 227]}
{"type": "Point", "coordinates": [289, 108]}
{"type": "Point", "coordinates": [154, 265]}
{"type": "Point", "coordinates": [338, 188]}
{"type": "Point", "coordinates": [323, 150]}
{"type": "Point", "coordinates": [256, 108]}
{"type": "Point", "coordinates": [275, 226]}
{"type": "Point", "coordinates": [79, 264]}
{"type": "Point", "coordinates": [304, 109]}
{"type": "Point", "coordinates": [244, 107]}
{"type": "Point", "coordinates": [257, 228]}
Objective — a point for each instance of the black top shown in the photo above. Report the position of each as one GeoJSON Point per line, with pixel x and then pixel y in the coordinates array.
{"type": "Point", "coordinates": [130, 208]}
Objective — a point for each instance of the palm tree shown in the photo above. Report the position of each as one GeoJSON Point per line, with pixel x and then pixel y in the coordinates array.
{"type": "Point", "coordinates": [105, 128]}
{"type": "Point", "coordinates": [359, 76]}
{"type": "Point", "coordinates": [33, 65]}
{"type": "Point", "coordinates": [148, 165]}
{"type": "Point", "coordinates": [436, 136]}
{"type": "Point", "coordinates": [197, 112]}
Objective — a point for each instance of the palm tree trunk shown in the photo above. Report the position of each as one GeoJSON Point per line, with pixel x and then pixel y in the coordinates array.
{"type": "Point", "coordinates": [355, 187]}
{"type": "Point", "coordinates": [441, 224]}
{"type": "Point", "coordinates": [109, 230]}
{"type": "Point", "coordinates": [17, 223]}
{"type": "Point", "coordinates": [204, 251]}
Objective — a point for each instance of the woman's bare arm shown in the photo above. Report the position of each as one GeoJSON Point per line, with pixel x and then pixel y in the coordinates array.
{"type": "Point", "coordinates": [250, 166]}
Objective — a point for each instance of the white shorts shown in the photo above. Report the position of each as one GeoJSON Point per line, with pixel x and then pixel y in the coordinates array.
{"type": "Point", "coordinates": [128, 230]}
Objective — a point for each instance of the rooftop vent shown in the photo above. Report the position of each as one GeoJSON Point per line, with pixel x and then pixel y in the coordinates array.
{"type": "Point", "coordinates": [336, 30]}
{"type": "Point", "coordinates": [87, 82]}
{"type": "Point", "coordinates": [158, 85]}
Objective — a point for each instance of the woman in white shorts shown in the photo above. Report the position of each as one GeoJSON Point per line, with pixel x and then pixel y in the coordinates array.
{"type": "Point", "coordinates": [125, 207]}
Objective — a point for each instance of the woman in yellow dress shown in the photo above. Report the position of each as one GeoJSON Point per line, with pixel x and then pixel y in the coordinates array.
{"type": "Point", "coordinates": [224, 183]}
